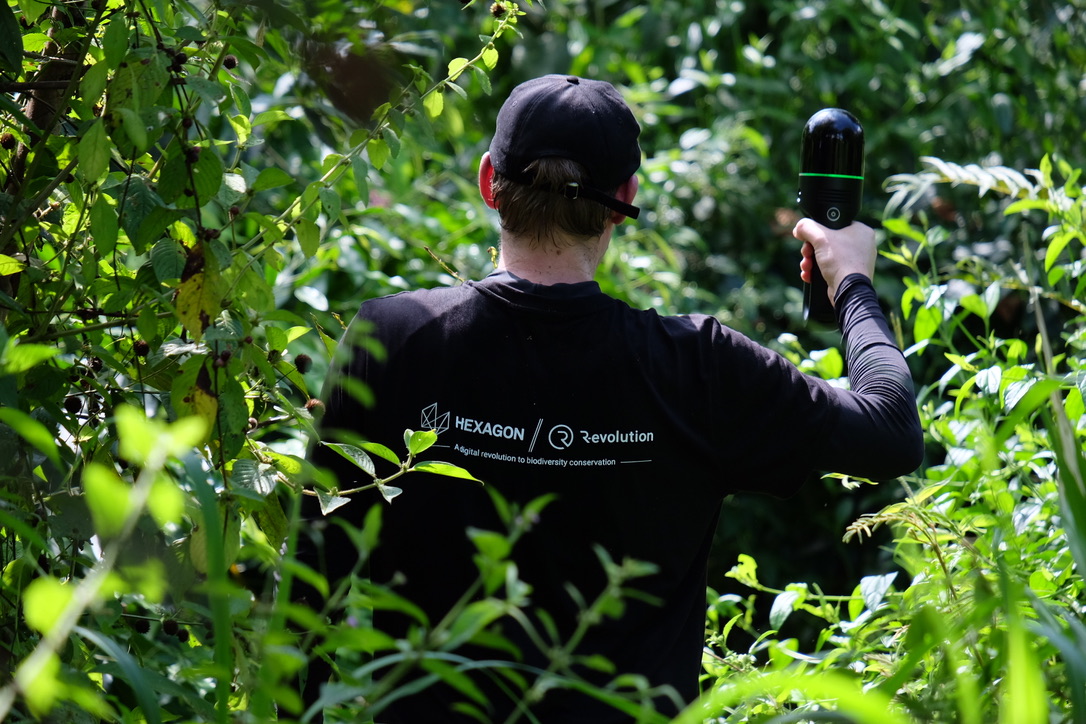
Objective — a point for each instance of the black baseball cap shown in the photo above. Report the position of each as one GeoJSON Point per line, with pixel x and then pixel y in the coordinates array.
{"type": "Point", "coordinates": [578, 119]}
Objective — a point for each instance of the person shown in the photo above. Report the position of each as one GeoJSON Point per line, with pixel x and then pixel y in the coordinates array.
{"type": "Point", "coordinates": [638, 424]}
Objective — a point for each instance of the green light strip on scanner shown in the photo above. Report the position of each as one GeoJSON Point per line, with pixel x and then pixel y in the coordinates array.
{"type": "Point", "coordinates": [833, 175]}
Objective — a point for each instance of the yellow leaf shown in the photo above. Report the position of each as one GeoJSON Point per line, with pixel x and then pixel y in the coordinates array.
{"type": "Point", "coordinates": [195, 397]}
{"type": "Point", "coordinates": [199, 297]}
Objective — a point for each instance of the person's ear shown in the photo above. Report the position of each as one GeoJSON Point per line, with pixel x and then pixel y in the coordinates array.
{"type": "Point", "coordinates": [625, 193]}
{"type": "Point", "coordinates": [486, 178]}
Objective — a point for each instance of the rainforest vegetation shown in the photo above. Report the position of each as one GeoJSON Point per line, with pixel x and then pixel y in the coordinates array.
{"type": "Point", "coordinates": [196, 195]}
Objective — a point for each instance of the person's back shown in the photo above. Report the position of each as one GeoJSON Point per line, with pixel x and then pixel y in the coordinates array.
{"type": "Point", "coordinates": [637, 424]}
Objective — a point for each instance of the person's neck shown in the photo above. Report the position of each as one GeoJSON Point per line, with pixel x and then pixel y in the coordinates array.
{"type": "Point", "coordinates": [547, 263]}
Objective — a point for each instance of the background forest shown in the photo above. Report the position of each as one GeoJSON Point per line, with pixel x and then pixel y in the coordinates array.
{"type": "Point", "coordinates": [195, 196]}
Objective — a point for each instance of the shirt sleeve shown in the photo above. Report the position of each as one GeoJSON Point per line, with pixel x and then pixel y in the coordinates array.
{"type": "Point", "coordinates": [877, 432]}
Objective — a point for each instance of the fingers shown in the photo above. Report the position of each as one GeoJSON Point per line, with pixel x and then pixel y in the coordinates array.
{"type": "Point", "coordinates": [838, 252]}
{"type": "Point", "coordinates": [806, 262]}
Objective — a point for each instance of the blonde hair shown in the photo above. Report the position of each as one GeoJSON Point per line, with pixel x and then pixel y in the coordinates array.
{"type": "Point", "coordinates": [541, 212]}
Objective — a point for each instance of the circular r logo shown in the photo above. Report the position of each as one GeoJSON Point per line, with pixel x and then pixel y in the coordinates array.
{"type": "Point", "coordinates": [560, 437]}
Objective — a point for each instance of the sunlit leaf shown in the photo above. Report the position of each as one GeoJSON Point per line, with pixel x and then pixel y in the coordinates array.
{"type": "Point", "coordinates": [378, 153]}
{"type": "Point", "coordinates": [18, 358]}
{"type": "Point", "coordinates": [434, 103]}
{"type": "Point", "coordinates": [44, 600]}
{"type": "Point", "coordinates": [9, 265]}
{"type": "Point", "coordinates": [200, 295]}
{"type": "Point", "coordinates": [419, 441]}
{"type": "Point", "coordinates": [439, 468]}
{"type": "Point", "coordinates": [108, 497]}
{"type": "Point", "coordinates": [166, 502]}
{"type": "Point", "coordinates": [874, 588]}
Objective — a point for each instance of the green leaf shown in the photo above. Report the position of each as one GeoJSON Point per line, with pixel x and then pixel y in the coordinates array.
{"type": "Point", "coordinates": [107, 497]}
{"type": "Point", "coordinates": [388, 492]}
{"type": "Point", "coordinates": [309, 236]}
{"type": "Point", "coordinates": [140, 79]}
{"type": "Point", "coordinates": [1023, 695]}
{"type": "Point", "coordinates": [174, 178]}
{"type": "Point", "coordinates": [255, 476]}
{"type": "Point", "coordinates": [135, 675]}
{"type": "Point", "coordinates": [492, 545]}
{"type": "Point", "coordinates": [167, 259]}
{"type": "Point", "coordinates": [271, 177]}
{"type": "Point", "coordinates": [233, 417]}
{"type": "Point", "coordinates": [11, 41]}
{"type": "Point", "coordinates": [874, 588]}
{"type": "Point", "coordinates": [94, 151]}
{"type": "Point", "coordinates": [490, 57]}
{"type": "Point", "coordinates": [17, 359]}
{"type": "Point", "coordinates": [207, 175]}
{"type": "Point", "coordinates": [434, 103]}
{"type": "Point", "coordinates": [93, 83]}
{"type": "Point", "coordinates": [355, 455]}
{"type": "Point", "coordinates": [457, 66]}
{"type": "Point", "coordinates": [143, 214]}
{"type": "Point", "coordinates": [360, 172]}
{"type": "Point", "coordinates": [274, 115]}
{"type": "Point", "coordinates": [166, 502]}
{"type": "Point", "coordinates": [330, 202]}
{"type": "Point", "coordinates": [455, 678]}
{"type": "Point", "coordinates": [9, 265]}
{"type": "Point", "coordinates": [147, 441]}
{"type": "Point", "coordinates": [115, 42]}
{"type": "Point", "coordinates": [419, 441]}
{"type": "Point", "coordinates": [104, 226]}
{"type": "Point", "coordinates": [44, 601]}
{"type": "Point", "coordinates": [378, 153]}
{"type": "Point", "coordinates": [330, 502]}
{"type": "Point", "coordinates": [32, 431]}
{"type": "Point", "coordinates": [1056, 244]}
{"type": "Point", "coordinates": [32, 10]}
{"type": "Point", "coordinates": [135, 132]}
{"type": "Point", "coordinates": [783, 605]}
{"type": "Point", "coordinates": [382, 452]}
{"type": "Point", "coordinates": [446, 469]}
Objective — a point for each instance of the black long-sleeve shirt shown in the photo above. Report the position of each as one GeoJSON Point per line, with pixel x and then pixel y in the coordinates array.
{"type": "Point", "coordinates": [639, 423]}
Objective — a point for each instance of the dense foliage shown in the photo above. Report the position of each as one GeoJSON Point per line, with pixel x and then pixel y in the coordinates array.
{"type": "Point", "coordinates": [195, 196]}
